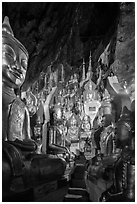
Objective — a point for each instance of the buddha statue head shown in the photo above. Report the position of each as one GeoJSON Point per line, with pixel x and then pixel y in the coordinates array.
{"type": "Point", "coordinates": [14, 58]}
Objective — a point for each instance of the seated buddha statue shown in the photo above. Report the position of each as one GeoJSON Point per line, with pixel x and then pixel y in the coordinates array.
{"type": "Point", "coordinates": [31, 103]}
{"type": "Point", "coordinates": [86, 126]}
{"type": "Point", "coordinates": [123, 188]}
{"type": "Point", "coordinates": [73, 127]}
{"type": "Point", "coordinates": [90, 93]}
{"type": "Point", "coordinates": [22, 167]}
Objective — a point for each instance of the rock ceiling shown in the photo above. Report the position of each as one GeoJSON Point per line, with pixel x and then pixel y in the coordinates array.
{"type": "Point", "coordinates": [65, 32]}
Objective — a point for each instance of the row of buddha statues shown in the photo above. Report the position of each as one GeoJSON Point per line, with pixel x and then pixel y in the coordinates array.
{"type": "Point", "coordinates": [74, 108]}
{"type": "Point", "coordinates": [44, 130]}
{"type": "Point", "coordinates": [84, 122]}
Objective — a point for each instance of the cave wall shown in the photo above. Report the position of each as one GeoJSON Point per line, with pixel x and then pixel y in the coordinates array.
{"type": "Point", "coordinates": [66, 32]}
{"type": "Point", "coordinates": [124, 63]}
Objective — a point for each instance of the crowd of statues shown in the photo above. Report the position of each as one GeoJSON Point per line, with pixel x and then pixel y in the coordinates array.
{"type": "Point", "coordinates": [43, 130]}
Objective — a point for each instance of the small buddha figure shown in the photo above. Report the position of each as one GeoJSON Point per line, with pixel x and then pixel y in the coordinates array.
{"type": "Point", "coordinates": [73, 127]}
{"type": "Point", "coordinates": [58, 112]}
{"type": "Point", "coordinates": [86, 126]}
{"type": "Point", "coordinates": [31, 103]}
{"type": "Point", "coordinates": [90, 93]}
{"type": "Point", "coordinates": [68, 112]}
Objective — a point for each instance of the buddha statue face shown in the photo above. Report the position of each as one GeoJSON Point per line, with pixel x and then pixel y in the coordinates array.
{"type": "Point", "coordinates": [14, 58]}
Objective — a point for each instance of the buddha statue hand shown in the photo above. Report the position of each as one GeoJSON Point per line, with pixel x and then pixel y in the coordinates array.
{"type": "Point", "coordinates": [22, 173]}
{"type": "Point", "coordinates": [26, 145]}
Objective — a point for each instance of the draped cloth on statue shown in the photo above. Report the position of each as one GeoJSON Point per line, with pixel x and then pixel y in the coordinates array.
{"type": "Point", "coordinates": [113, 86]}
{"type": "Point", "coordinates": [18, 119]}
{"type": "Point", "coordinates": [40, 112]}
{"type": "Point", "coordinates": [47, 103]}
{"type": "Point", "coordinates": [8, 96]}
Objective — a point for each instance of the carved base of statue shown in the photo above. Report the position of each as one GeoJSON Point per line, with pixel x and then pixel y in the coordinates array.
{"type": "Point", "coordinates": [124, 187]}
{"type": "Point", "coordinates": [23, 169]}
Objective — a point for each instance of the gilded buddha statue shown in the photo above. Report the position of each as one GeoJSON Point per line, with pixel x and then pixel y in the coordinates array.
{"type": "Point", "coordinates": [14, 67]}
{"type": "Point", "coordinates": [86, 126]}
{"type": "Point", "coordinates": [73, 127]}
{"type": "Point", "coordinates": [22, 167]}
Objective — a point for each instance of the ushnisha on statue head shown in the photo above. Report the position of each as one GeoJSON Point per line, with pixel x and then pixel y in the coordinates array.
{"type": "Point", "coordinates": [14, 58]}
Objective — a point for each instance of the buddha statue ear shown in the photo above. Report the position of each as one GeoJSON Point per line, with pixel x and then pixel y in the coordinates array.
{"type": "Point", "coordinates": [6, 26]}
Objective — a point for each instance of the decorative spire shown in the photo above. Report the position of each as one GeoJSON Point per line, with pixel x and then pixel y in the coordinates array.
{"type": "Point", "coordinates": [62, 73]}
{"type": "Point", "coordinates": [45, 81]}
{"type": "Point", "coordinates": [50, 77]}
{"type": "Point", "coordinates": [90, 67]}
{"type": "Point", "coordinates": [89, 73]}
{"type": "Point", "coordinates": [83, 74]}
{"type": "Point", "coordinates": [56, 77]}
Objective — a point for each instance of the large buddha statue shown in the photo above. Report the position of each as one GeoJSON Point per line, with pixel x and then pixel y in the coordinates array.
{"type": "Point", "coordinates": [22, 167]}
{"type": "Point", "coordinates": [14, 67]}
{"type": "Point", "coordinates": [123, 188]}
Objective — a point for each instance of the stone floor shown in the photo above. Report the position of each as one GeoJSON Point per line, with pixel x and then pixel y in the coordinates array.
{"type": "Point", "coordinates": [77, 189]}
